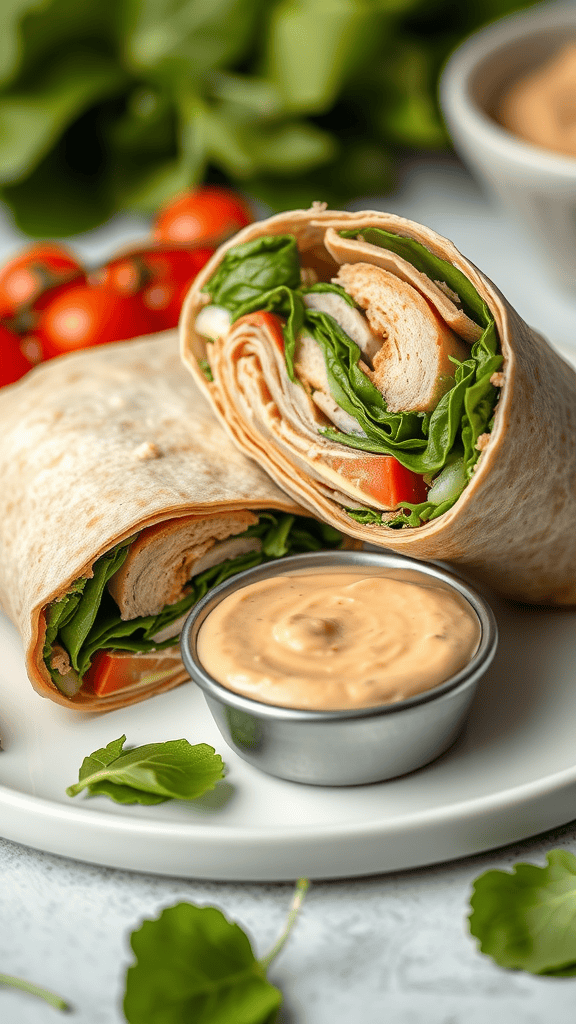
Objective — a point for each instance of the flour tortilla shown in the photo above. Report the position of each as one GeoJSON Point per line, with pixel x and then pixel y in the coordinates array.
{"type": "Point", "coordinates": [96, 446]}
{"type": "Point", "coordinates": [514, 525]}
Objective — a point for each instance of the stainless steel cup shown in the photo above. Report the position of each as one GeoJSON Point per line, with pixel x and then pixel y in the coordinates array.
{"type": "Point", "coordinates": [343, 748]}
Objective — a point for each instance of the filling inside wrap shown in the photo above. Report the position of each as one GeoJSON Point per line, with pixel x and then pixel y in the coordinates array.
{"type": "Point", "coordinates": [377, 348]}
{"type": "Point", "coordinates": [119, 628]}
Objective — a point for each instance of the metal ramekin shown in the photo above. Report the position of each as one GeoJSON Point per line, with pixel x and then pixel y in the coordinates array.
{"type": "Point", "coordinates": [343, 748]}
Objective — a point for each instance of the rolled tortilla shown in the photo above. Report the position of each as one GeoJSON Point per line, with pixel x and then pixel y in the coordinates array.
{"type": "Point", "coordinates": [112, 460]}
{"type": "Point", "coordinates": [503, 501]}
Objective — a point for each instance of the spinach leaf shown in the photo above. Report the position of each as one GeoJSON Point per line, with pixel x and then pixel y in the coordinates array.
{"type": "Point", "coordinates": [74, 632]}
{"type": "Point", "coordinates": [149, 774]}
{"type": "Point", "coordinates": [252, 269]}
{"type": "Point", "coordinates": [192, 964]}
{"type": "Point", "coordinates": [526, 919]}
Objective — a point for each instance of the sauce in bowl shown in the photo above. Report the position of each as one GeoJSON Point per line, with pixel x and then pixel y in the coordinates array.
{"type": "Point", "coordinates": [338, 638]}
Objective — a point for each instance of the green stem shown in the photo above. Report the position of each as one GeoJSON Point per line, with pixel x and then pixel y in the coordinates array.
{"type": "Point", "coordinates": [299, 893]}
{"type": "Point", "coordinates": [50, 997]}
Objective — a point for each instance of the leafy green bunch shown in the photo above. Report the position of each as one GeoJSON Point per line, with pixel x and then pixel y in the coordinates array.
{"type": "Point", "coordinates": [108, 106]}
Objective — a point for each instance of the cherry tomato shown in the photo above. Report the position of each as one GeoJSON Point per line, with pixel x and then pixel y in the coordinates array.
{"type": "Point", "coordinates": [161, 275]}
{"type": "Point", "coordinates": [207, 215]}
{"type": "Point", "coordinates": [83, 315]}
{"type": "Point", "coordinates": [174, 273]}
{"type": "Point", "coordinates": [13, 361]}
{"type": "Point", "coordinates": [24, 278]}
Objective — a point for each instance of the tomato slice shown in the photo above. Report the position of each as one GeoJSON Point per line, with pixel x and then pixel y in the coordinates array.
{"type": "Point", "coordinates": [383, 478]}
{"type": "Point", "coordinates": [270, 322]}
{"type": "Point", "coordinates": [116, 670]}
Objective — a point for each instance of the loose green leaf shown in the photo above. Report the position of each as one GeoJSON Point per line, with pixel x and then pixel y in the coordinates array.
{"type": "Point", "coordinates": [34, 990]}
{"type": "Point", "coordinates": [150, 774]}
{"type": "Point", "coordinates": [192, 964]}
{"type": "Point", "coordinates": [526, 919]}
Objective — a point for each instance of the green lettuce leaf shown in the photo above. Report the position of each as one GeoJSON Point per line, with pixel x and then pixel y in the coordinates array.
{"type": "Point", "coordinates": [526, 919]}
{"type": "Point", "coordinates": [149, 774]}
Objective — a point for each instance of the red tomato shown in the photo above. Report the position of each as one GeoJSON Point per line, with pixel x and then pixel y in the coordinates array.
{"type": "Point", "coordinates": [269, 322]}
{"type": "Point", "coordinates": [174, 272]}
{"type": "Point", "coordinates": [26, 276]}
{"type": "Point", "coordinates": [81, 315]}
{"type": "Point", "coordinates": [383, 478]}
{"type": "Point", "coordinates": [162, 276]}
{"type": "Point", "coordinates": [116, 670]}
{"type": "Point", "coordinates": [13, 361]}
{"type": "Point", "coordinates": [208, 215]}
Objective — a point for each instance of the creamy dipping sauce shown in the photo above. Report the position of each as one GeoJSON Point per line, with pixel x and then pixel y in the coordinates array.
{"type": "Point", "coordinates": [541, 107]}
{"type": "Point", "coordinates": [328, 640]}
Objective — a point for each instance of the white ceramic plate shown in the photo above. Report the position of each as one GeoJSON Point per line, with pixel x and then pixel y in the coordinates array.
{"type": "Point", "coordinates": [512, 774]}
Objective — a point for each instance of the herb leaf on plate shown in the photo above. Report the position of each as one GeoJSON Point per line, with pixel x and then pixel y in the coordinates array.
{"type": "Point", "coordinates": [151, 773]}
{"type": "Point", "coordinates": [192, 964]}
{"type": "Point", "coordinates": [526, 919]}
{"type": "Point", "coordinates": [35, 990]}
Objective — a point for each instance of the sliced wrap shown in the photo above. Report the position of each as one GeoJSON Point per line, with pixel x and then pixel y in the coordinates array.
{"type": "Point", "coordinates": [386, 384]}
{"type": "Point", "coordinates": [122, 502]}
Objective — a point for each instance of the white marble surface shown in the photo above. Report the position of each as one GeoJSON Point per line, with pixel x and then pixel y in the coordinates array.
{"type": "Point", "coordinates": [391, 949]}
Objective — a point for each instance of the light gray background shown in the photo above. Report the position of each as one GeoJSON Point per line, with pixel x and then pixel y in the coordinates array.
{"type": "Point", "coordinates": [392, 949]}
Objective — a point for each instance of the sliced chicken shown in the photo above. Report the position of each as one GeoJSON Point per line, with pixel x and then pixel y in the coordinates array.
{"type": "Point", "coordinates": [412, 369]}
{"type": "Point", "coordinates": [441, 298]}
{"type": "Point", "coordinates": [163, 558]}
{"type": "Point", "coordinates": [351, 320]}
{"type": "Point", "coordinates": [310, 368]}
{"type": "Point", "coordinates": [221, 552]}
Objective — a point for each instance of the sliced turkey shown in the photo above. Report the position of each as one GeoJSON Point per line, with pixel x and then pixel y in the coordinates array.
{"type": "Point", "coordinates": [164, 558]}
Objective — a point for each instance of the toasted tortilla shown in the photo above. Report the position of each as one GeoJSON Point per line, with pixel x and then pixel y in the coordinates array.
{"type": "Point", "coordinates": [96, 446]}
{"type": "Point", "coordinates": [513, 525]}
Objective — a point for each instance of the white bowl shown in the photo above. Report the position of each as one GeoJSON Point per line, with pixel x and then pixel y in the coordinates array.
{"type": "Point", "coordinates": [537, 186]}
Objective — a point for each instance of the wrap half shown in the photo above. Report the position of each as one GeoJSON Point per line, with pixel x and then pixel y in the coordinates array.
{"type": "Point", "coordinates": [122, 502]}
{"type": "Point", "coordinates": [386, 384]}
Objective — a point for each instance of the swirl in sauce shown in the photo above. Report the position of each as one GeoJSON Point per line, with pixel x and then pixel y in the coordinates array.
{"type": "Point", "coordinates": [329, 640]}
